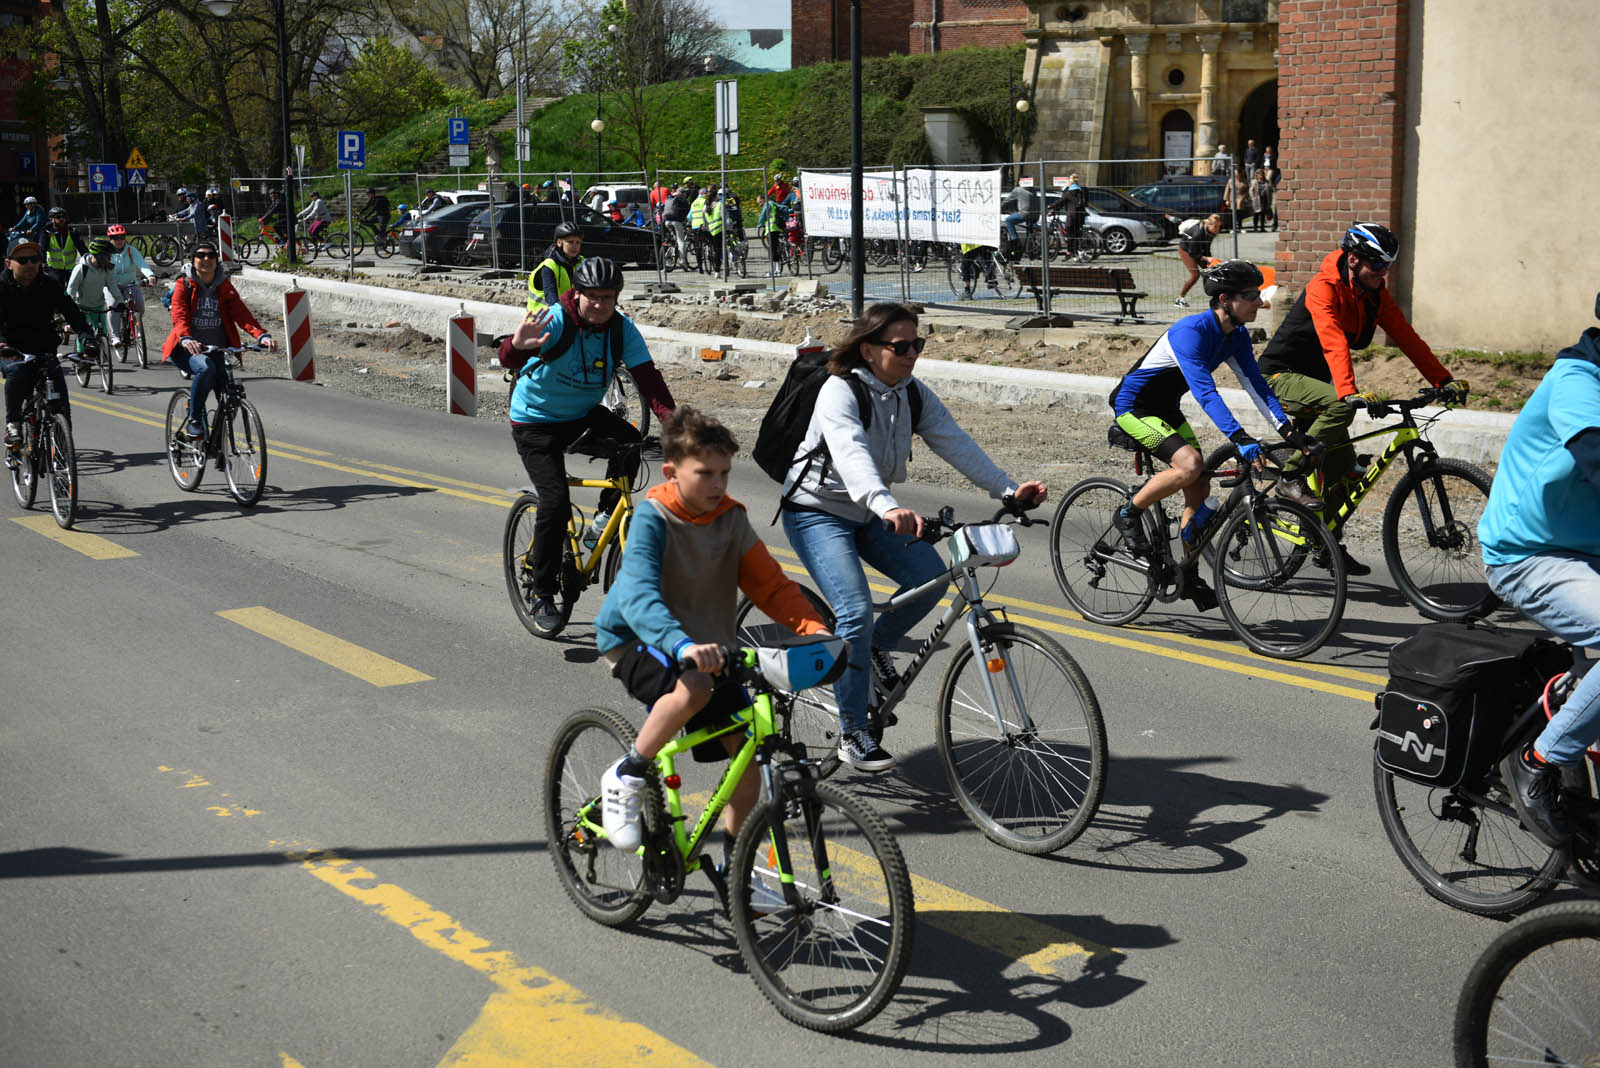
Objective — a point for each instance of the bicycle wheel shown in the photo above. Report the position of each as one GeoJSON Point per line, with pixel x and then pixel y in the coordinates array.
{"type": "Point", "coordinates": [959, 285]}
{"type": "Point", "coordinates": [741, 261]}
{"type": "Point", "coordinates": [186, 459]}
{"type": "Point", "coordinates": [167, 250]}
{"type": "Point", "coordinates": [833, 961]}
{"type": "Point", "coordinates": [383, 245]}
{"type": "Point", "coordinates": [1090, 245]}
{"type": "Point", "coordinates": [244, 454]}
{"type": "Point", "coordinates": [23, 463]}
{"type": "Point", "coordinates": [1531, 998]}
{"type": "Point", "coordinates": [606, 884]}
{"type": "Point", "coordinates": [1027, 766]}
{"type": "Point", "coordinates": [1099, 576]}
{"type": "Point", "coordinates": [61, 461]}
{"type": "Point", "coordinates": [138, 342]}
{"type": "Point", "coordinates": [813, 714]}
{"type": "Point", "coordinates": [516, 548]}
{"type": "Point", "coordinates": [627, 403]}
{"type": "Point", "coordinates": [243, 248]}
{"type": "Point", "coordinates": [102, 355]}
{"type": "Point", "coordinates": [1009, 282]}
{"type": "Point", "coordinates": [83, 368]}
{"type": "Point", "coordinates": [1430, 539]}
{"type": "Point", "coordinates": [1466, 846]}
{"type": "Point", "coordinates": [1279, 578]}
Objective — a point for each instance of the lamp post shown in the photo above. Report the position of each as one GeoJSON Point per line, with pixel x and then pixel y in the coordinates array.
{"type": "Point", "coordinates": [599, 124]}
{"type": "Point", "coordinates": [221, 9]}
{"type": "Point", "coordinates": [1014, 119]}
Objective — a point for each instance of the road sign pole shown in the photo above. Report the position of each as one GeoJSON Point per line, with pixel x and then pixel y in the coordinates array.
{"type": "Point", "coordinates": [350, 228]}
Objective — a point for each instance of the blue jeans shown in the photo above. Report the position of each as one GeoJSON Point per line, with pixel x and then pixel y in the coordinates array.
{"type": "Point", "coordinates": [207, 371]}
{"type": "Point", "coordinates": [1009, 223]}
{"type": "Point", "coordinates": [1560, 591]}
{"type": "Point", "coordinates": [833, 551]}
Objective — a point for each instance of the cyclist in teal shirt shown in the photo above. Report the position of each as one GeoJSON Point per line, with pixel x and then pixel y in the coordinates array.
{"type": "Point", "coordinates": [566, 355]}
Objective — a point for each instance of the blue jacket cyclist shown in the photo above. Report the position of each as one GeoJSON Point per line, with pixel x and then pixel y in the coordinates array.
{"type": "Point", "coordinates": [572, 349]}
{"type": "Point", "coordinates": [1183, 361]}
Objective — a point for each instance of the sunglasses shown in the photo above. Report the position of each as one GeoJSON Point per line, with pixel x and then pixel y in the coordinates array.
{"type": "Point", "coordinates": [27, 259]}
{"type": "Point", "coordinates": [902, 347]}
{"type": "Point", "coordinates": [1377, 266]}
{"type": "Point", "coordinates": [1249, 294]}
{"type": "Point", "coordinates": [205, 255]}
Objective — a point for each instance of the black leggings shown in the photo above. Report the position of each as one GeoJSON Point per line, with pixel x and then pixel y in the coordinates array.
{"type": "Point", "coordinates": [543, 448]}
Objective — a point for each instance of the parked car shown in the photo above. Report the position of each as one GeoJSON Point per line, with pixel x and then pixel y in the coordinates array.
{"type": "Point", "coordinates": [1187, 197]}
{"type": "Point", "coordinates": [601, 236]}
{"type": "Point", "coordinates": [1122, 234]}
{"type": "Point", "coordinates": [445, 229]}
{"type": "Point", "coordinates": [1113, 202]}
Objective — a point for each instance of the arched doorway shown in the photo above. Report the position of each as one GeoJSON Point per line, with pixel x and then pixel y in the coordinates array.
{"type": "Point", "coordinates": [1177, 141]}
{"type": "Point", "coordinates": [1258, 118]}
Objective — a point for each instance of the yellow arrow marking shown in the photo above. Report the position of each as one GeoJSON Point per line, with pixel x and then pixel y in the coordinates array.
{"type": "Point", "coordinates": [348, 657]}
{"type": "Point", "coordinates": [91, 545]}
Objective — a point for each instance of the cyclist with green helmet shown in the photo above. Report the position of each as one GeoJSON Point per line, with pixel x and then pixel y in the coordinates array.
{"type": "Point", "coordinates": [93, 287]}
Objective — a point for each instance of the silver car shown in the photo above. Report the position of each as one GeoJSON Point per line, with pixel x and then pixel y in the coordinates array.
{"type": "Point", "coordinates": [1121, 234]}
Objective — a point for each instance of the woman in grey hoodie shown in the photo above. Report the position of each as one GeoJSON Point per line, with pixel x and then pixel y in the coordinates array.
{"type": "Point", "coordinates": [841, 512]}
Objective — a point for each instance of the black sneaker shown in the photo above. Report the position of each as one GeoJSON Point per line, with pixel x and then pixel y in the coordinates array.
{"type": "Point", "coordinates": [1295, 489]}
{"type": "Point", "coordinates": [1353, 568]}
{"type": "Point", "coordinates": [1536, 793]}
{"type": "Point", "coordinates": [1131, 527]}
{"type": "Point", "coordinates": [546, 614]}
{"type": "Point", "coordinates": [857, 749]}
{"type": "Point", "coordinates": [1203, 596]}
{"type": "Point", "coordinates": [884, 674]}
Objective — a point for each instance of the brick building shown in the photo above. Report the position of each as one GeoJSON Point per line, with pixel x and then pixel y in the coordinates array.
{"type": "Point", "coordinates": [820, 29]}
{"type": "Point", "coordinates": [24, 153]}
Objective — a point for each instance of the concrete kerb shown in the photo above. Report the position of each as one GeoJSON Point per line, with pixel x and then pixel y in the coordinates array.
{"type": "Point", "coordinates": [1476, 437]}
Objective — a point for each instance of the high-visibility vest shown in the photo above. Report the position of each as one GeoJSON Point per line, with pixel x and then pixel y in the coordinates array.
{"type": "Point", "coordinates": [60, 257]}
{"type": "Point", "coordinates": [714, 219]}
{"type": "Point", "coordinates": [563, 282]}
{"type": "Point", "coordinates": [697, 212]}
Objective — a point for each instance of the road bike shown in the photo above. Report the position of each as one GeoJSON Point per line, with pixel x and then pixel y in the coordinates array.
{"type": "Point", "coordinates": [133, 336]}
{"type": "Point", "coordinates": [1017, 725]}
{"type": "Point", "coordinates": [46, 451]}
{"type": "Point", "coordinates": [1276, 571]}
{"type": "Point", "coordinates": [1430, 525]}
{"type": "Point", "coordinates": [988, 264]}
{"type": "Point", "coordinates": [582, 563]}
{"type": "Point", "coordinates": [92, 354]}
{"type": "Point", "coordinates": [1531, 998]}
{"type": "Point", "coordinates": [1465, 843]}
{"type": "Point", "coordinates": [233, 435]}
{"type": "Point", "coordinates": [834, 952]}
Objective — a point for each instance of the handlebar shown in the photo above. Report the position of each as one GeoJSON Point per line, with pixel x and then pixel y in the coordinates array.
{"type": "Point", "coordinates": [1425, 398]}
{"type": "Point", "coordinates": [28, 357]}
{"type": "Point", "coordinates": [935, 527]}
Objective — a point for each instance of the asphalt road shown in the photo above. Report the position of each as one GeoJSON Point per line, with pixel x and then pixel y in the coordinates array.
{"type": "Point", "coordinates": [269, 782]}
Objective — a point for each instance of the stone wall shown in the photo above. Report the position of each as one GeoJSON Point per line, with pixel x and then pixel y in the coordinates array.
{"type": "Point", "coordinates": [820, 29]}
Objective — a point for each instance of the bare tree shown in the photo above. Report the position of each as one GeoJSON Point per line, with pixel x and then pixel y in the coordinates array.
{"type": "Point", "coordinates": [476, 40]}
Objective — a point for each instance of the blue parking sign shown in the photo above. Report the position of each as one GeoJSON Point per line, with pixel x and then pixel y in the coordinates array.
{"type": "Point", "coordinates": [352, 150]}
{"type": "Point", "coordinates": [458, 131]}
{"type": "Point", "coordinates": [26, 164]}
{"type": "Point", "coordinates": [104, 178]}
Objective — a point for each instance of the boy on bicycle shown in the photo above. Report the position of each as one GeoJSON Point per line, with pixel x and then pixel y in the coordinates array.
{"type": "Point", "coordinates": [1182, 361]}
{"type": "Point", "coordinates": [93, 285]}
{"type": "Point", "coordinates": [691, 550]}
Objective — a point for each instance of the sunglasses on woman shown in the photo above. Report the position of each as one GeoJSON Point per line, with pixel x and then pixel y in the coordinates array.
{"type": "Point", "coordinates": [902, 347]}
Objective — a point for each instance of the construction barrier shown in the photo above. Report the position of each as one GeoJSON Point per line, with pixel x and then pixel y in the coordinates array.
{"type": "Point", "coordinates": [225, 240]}
{"type": "Point", "coordinates": [297, 334]}
{"type": "Point", "coordinates": [461, 365]}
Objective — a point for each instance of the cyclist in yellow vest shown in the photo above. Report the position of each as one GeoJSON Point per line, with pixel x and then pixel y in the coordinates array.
{"type": "Point", "coordinates": [697, 223]}
{"type": "Point", "coordinates": [553, 276]}
{"type": "Point", "coordinates": [714, 226]}
{"type": "Point", "coordinates": [61, 246]}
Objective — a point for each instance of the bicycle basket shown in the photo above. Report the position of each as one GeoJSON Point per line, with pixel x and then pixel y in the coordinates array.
{"type": "Point", "coordinates": [984, 545]}
{"type": "Point", "coordinates": [803, 665]}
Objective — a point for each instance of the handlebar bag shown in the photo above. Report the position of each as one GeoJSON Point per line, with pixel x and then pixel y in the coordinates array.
{"type": "Point", "coordinates": [1453, 691]}
{"type": "Point", "coordinates": [984, 545]}
{"type": "Point", "coordinates": [801, 665]}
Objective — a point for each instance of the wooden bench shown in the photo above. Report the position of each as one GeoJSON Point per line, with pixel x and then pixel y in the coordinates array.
{"type": "Point", "coordinates": [1084, 281]}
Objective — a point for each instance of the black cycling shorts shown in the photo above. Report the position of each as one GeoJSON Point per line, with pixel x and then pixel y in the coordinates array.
{"type": "Point", "coordinates": [648, 675]}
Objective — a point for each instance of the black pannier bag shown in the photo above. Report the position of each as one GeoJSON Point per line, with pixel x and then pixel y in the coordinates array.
{"type": "Point", "coordinates": [1453, 690]}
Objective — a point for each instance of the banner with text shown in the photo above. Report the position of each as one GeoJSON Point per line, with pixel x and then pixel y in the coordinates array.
{"type": "Point", "coordinates": [922, 204]}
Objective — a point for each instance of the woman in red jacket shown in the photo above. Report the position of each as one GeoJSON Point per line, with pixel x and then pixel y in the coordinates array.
{"type": "Point", "coordinates": [207, 313]}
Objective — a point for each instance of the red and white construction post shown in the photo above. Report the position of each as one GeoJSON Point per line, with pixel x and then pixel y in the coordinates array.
{"type": "Point", "coordinates": [461, 365]}
{"type": "Point", "coordinates": [298, 345]}
{"type": "Point", "coordinates": [225, 240]}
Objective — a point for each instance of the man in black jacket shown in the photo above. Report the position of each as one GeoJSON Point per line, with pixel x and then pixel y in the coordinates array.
{"type": "Point", "coordinates": [29, 300]}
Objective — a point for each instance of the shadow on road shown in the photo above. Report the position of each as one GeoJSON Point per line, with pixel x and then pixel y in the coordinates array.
{"type": "Point", "coordinates": [57, 861]}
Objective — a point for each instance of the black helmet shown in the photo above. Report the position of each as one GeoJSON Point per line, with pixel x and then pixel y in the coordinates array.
{"type": "Point", "coordinates": [1371, 241]}
{"type": "Point", "coordinates": [100, 246]}
{"type": "Point", "coordinates": [1231, 276]}
{"type": "Point", "coordinates": [598, 273]}
{"type": "Point", "coordinates": [568, 229]}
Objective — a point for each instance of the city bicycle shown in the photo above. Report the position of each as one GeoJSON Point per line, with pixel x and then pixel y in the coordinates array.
{"type": "Point", "coordinates": [1430, 524]}
{"type": "Point", "coordinates": [383, 244]}
{"type": "Point", "coordinates": [834, 952]}
{"type": "Point", "coordinates": [91, 355]}
{"type": "Point", "coordinates": [581, 563]}
{"type": "Point", "coordinates": [269, 243]}
{"type": "Point", "coordinates": [133, 337]}
{"type": "Point", "coordinates": [46, 451]}
{"type": "Point", "coordinates": [1017, 725]}
{"type": "Point", "coordinates": [233, 436]}
{"type": "Point", "coordinates": [1276, 571]}
{"type": "Point", "coordinates": [995, 270]}
{"type": "Point", "coordinates": [1531, 998]}
{"type": "Point", "coordinates": [161, 249]}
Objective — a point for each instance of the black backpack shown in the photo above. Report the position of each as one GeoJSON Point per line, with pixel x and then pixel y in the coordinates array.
{"type": "Point", "coordinates": [784, 426]}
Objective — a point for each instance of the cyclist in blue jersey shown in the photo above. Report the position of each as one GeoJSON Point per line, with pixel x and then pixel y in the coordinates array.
{"type": "Point", "coordinates": [1182, 361]}
{"type": "Point", "coordinates": [567, 354]}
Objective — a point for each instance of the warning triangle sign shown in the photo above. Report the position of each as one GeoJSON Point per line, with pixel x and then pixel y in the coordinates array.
{"type": "Point", "coordinates": [136, 160]}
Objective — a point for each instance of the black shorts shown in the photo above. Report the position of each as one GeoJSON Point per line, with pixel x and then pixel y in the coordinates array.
{"type": "Point", "coordinates": [648, 675]}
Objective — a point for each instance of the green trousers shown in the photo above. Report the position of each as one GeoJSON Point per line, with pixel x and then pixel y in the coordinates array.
{"type": "Point", "coordinates": [1325, 417]}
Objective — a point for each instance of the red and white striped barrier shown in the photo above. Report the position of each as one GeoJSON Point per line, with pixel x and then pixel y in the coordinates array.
{"type": "Point", "coordinates": [461, 365]}
{"type": "Point", "coordinates": [302, 351]}
{"type": "Point", "coordinates": [225, 240]}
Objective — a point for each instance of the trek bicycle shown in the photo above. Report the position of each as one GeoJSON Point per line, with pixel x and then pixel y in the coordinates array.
{"type": "Point", "coordinates": [91, 354]}
{"type": "Point", "coordinates": [46, 451]}
{"type": "Point", "coordinates": [1017, 725]}
{"type": "Point", "coordinates": [233, 436]}
{"type": "Point", "coordinates": [1276, 571]}
{"type": "Point", "coordinates": [582, 563]}
{"type": "Point", "coordinates": [1531, 998]}
{"type": "Point", "coordinates": [834, 953]}
{"type": "Point", "coordinates": [1430, 524]}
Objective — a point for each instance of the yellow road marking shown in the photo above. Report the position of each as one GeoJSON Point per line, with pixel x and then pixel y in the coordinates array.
{"type": "Point", "coordinates": [91, 545]}
{"type": "Point", "coordinates": [348, 657]}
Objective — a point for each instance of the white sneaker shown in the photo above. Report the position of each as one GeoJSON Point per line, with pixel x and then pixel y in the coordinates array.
{"type": "Point", "coordinates": [1181, 302]}
{"type": "Point", "coordinates": [857, 749]}
{"type": "Point", "coordinates": [621, 797]}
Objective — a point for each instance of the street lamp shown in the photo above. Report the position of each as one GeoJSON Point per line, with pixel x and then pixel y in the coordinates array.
{"type": "Point", "coordinates": [221, 9]}
{"type": "Point", "coordinates": [599, 124]}
{"type": "Point", "coordinates": [1014, 120]}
